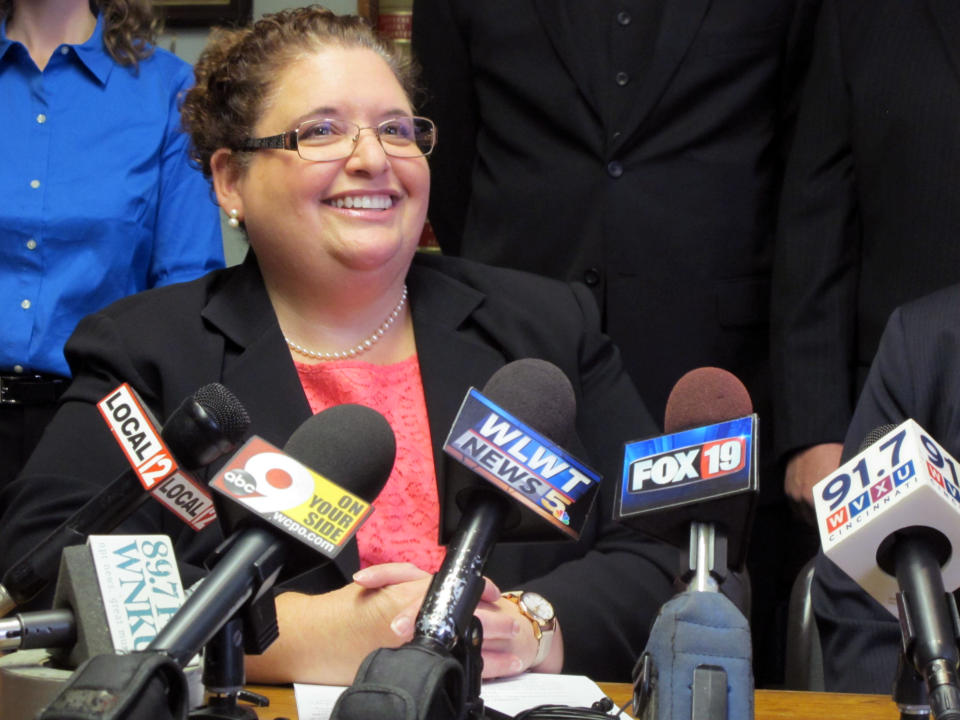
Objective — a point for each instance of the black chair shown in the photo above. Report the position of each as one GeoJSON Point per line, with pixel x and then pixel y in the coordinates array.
{"type": "Point", "coordinates": [804, 662]}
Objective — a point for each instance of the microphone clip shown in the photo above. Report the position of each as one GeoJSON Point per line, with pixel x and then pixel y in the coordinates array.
{"type": "Point", "coordinates": [421, 679]}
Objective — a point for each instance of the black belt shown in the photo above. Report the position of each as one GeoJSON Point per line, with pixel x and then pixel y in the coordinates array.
{"type": "Point", "coordinates": [33, 389]}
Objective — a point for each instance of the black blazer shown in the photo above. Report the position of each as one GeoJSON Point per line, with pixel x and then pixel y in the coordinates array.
{"type": "Point", "coordinates": [870, 211]}
{"type": "Point", "coordinates": [469, 321]}
{"type": "Point", "coordinates": [663, 202]}
{"type": "Point", "coordinates": [916, 374]}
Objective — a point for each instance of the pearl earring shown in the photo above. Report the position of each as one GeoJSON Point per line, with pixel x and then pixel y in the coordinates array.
{"type": "Point", "coordinates": [234, 221]}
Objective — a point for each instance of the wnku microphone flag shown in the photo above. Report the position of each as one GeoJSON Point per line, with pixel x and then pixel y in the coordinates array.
{"type": "Point", "coordinates": [523, 463]}
{"type": "Point", "coordinates": [292, 497]}
{"type": "Point", "coordinates": [905, 478]}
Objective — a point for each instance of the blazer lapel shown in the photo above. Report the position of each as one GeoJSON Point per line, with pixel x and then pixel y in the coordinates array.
{"type": "Point", "coordinates": [946, 16]}
{"type": "Point", "coordinates": [255, 349]}
{"type": "Point", "coordinates": [552, 15]}
{"type": "Point", "coordinates": [679, 25]}
{"type": "Point", "coordinates": [452, 360]}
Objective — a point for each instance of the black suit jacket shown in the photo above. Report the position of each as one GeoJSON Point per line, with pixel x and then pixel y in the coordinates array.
{"type": "Point", "coordinates": [869, 215]}
{"type": "Point", "coordinates": [469, 321]}
{"type": "Point", "coordinates": [664, 204]}
{"type": "Point", "coordinates": [916, 374]}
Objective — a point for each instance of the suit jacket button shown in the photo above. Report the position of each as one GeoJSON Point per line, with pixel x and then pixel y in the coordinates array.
{"type": "Point", "coordinates": [615, 169]}
{"type": "Point", "coordinates": [591, 276]}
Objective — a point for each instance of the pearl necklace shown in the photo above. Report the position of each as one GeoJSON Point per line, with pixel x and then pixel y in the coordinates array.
{"type": "Point", "coordinates": [360, 348]}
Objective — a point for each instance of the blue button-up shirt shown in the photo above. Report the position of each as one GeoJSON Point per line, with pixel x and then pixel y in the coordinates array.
{"type": "Point", "coordinates": [97, 197]}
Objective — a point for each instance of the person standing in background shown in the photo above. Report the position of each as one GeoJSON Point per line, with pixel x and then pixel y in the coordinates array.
{"type": "Point", "coordinates": [637, 147]}
{"type": "Point", "coordinates": [99, 198]}
{"type": "Point", "coordinates": [869, 214]}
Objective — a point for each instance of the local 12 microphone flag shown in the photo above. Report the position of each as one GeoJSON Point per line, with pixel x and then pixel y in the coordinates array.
{"type": "Point", "coordinates": [522, 463]}
{"type": "Point", "coordinates": [904, 478]}
{"type": "Point", "coordinates": [136, 433]}
{"type": "Point", "coordinates": [292, 497]}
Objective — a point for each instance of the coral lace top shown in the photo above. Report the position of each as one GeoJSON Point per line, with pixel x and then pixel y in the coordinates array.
{"type": "Point", "coordinates": [405, 521]}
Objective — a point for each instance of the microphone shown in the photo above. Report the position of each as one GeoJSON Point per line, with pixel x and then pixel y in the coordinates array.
{"type": "Point", "coordinates": [266, 495]}
{"type": "Point", "coordinates": [112, 595]}
{"type": "Point", "coordinates": [503, 440]}
{"type": "Point", "coordinates": [501, 456]}
{"type": "Point", "coordinates": [890, 517]}
{"type": "Point", "coordinates": [203, 428]}
{"type": "Point", "coordinates": [696, 487]}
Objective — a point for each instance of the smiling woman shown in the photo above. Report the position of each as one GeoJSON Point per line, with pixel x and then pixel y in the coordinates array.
{"type": "Point", "coordinates": [304, 124]}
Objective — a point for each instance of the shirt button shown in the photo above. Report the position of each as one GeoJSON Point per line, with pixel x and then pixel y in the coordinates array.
{"type": "Point", "coordinates": [31, 244]}
{"type": "Point", "coordinates": [41, 118]}
{"type": "Point", "coordinates": [623, 17]}
{"type": "Point", "coordinates": [615, 169]}
{"type": "Point", "coordinates": [622, 78]}
{"type": "Point", "coordinates": [34, 184]}
{"type": "Point", "coordinates": [616, 135]}
{"type": "Point", "coordinates": [64, 49]}
{"type": "Point", "coordinates": [591, 276]}
{"type": "Point", "coordinates": [18, 368]}
{"type": "Point", "coordinates": [25, 304]}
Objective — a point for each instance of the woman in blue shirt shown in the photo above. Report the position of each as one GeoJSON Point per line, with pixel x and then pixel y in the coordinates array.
{"type": "Point", "coordinates": [99, 199]}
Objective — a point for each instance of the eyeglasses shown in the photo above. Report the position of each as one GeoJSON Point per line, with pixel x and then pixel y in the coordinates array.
{"type": "Point", "coordinates": [328, 139]}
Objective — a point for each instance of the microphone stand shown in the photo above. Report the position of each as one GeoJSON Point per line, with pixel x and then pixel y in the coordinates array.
{"type": "Point", "coordinates": [705, 572]}
{"type": "Point", "coordinates": [436, 675]}
{"type": "Point", "coordinates": [224, 677]}
{"type": "Point", "coordinates": [929, 621]}
{"type": "Point", "coordinates": [910, 691]}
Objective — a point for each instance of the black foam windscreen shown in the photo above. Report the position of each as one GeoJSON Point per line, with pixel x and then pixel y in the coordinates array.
{"type": "Point", "coordinates": [351, 445]}
{"type": "Point", "coordinates": [538, 393]}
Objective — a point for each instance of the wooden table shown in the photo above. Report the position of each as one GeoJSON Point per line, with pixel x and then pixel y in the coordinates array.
{"type": "Point", "coordinates": [770, 704]}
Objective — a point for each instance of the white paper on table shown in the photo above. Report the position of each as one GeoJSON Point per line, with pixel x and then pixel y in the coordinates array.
{"type": "Point", "coordinates": [508, 695]}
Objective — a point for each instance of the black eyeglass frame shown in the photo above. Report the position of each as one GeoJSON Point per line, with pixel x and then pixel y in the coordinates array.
{"type": "Point", "coordinates": [290, 140]}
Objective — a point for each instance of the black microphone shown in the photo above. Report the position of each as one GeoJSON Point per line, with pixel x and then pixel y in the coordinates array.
{"type": "Point", "coordinates": [538, 394]}
{"type": "Point", "coordinates": [513, 480]}
{"type": "Point", "coordinates": [112, 594]}
{"type": "Point", "coordinates": [203, 428]}
{"type": "Point", "coordinates": [267, 495]}
{"type": "Point", "coordinates": [348, 446]}
{"type": "Point", "coordinates": [888, 517]}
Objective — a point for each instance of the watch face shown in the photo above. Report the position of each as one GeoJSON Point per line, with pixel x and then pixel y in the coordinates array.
{"type": "Point", "coordinates": [538, 606]}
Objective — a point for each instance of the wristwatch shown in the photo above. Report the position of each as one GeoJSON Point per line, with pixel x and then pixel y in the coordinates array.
{"type": "Point", "coordinates": [536, 608]}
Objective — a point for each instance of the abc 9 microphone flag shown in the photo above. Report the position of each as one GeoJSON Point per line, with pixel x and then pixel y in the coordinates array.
{"type": "Point", "coordinates": [904, 474]}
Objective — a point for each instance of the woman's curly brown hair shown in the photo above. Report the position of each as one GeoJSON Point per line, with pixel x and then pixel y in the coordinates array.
{"type": "Point", "coordinates": [130, 27]}
{"type": "Point", "coordinates": [237, 69]}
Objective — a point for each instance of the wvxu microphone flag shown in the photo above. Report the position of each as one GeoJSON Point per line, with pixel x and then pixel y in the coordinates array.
{"type": "Point", "coordinates": [292, 497]}
{"type": "Point", "coordinates": [521, 462]}
{"type": "Point", "coordinates": [903, 479]}
{"type": "Point", "coordinates": [687, 467]}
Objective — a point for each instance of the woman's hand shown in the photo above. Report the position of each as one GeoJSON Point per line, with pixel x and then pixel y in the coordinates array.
{"type": "Point", "coordinates": [509, 644]}
{"type": "Point", "coordinates": [324, 638]}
